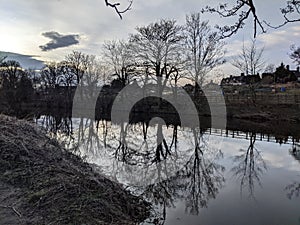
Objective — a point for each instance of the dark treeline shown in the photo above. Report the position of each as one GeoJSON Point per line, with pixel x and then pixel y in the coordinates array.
{"type": "Point", "coordinates": [163, 54]}
{"type": "Point", "coordinates": [163, 59]}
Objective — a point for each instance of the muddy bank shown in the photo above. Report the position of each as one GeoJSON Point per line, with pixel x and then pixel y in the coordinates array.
{"type": "Point", "coordinates": [40, 183]}
{"type": "Point", "coordinates": [264, 112]}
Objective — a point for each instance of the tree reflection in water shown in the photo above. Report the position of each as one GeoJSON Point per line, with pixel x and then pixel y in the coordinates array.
{"type": "Point", "coordinates": [198, 181]}
{"type": "Point", "coordinates": [166, 164]}
{"type": "Point", "coordinates": [250, 166]}
{"type": "Point", "coordinates": [58, 127]}
{"type": "Point", "coordinates": [162, 171]}
{"type": "Point", "coordinates": [293, 189]}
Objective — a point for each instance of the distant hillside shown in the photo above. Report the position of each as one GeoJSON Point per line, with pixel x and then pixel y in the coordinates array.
{"type": "Point", "coordinates": [26, 61]}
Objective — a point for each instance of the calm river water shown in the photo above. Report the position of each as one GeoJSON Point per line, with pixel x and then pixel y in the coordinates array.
{"type": "Point", "coordinates": [194, 176]}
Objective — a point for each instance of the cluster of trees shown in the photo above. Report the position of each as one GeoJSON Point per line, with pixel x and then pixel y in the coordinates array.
{"type": "Point", "coordinates": [250, 60]}
{"type": "Point", "coordinates": [16, 86]}
{"type": "Point", "coordinates": [162, 53]}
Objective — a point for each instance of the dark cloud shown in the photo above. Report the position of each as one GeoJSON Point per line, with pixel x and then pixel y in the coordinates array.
{"type": "Point", "coordinates": [59, 40]}
{"type": "Point", "coordinates": [26, 61]}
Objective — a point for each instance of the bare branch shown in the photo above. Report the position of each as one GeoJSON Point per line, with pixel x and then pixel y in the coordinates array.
{"type": "Point", "coordinates": [250, 60]}
{"type": "Point", "coordinates": [116, 7]}
{"type": "Point", "coordinates": [241, 10]}
{"type": "Point", "coordinates": [204, 49]}
{"type": "Point", "coordinates": [291, 14]}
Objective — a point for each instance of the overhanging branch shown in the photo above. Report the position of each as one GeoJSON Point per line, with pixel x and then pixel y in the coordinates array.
{"type": "Point", "coordinates": [116, 7]}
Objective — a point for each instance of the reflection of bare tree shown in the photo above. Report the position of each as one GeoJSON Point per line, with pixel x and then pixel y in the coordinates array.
{"type": "Point", "coordinates": [196, 183]}
{"type": "Point", "coordinates": [199, 176]}
{"type": "Point", "coordinates": [122, 150]}
{"type": "Point", "coordinates": [162, 149]}
{"type": "Point", "coordinates": [59, 127]}
{"type": "Point", "coordinates": [293, 190]}
{"type": "Point", "coordinates": [163, 194]}
{"type": "Point", "coordinates": [129, 149]}
{"type": "Point", "coordinates": [57, 123]}
{"type": "Point", "coordinates": [203, 174]}
{"type": "Point", "coordinates": [250, 166]}
{"type": "Point", "coordinates": [88, 136]}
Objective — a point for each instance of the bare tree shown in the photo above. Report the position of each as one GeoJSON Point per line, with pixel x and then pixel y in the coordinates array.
{"type": "Point", "coordinates": [69, 72]}
{"type": "Point", "coordinates": [50, 74]}
{"type": "Point", "coordinates": [295, 55]}
{"type": "Point", "coordinates": [118, 56]}
{"type": "Point", "coordinates": [270, 68]}
{"type": "Point", "coordinates": [11, 73]}
{"type": "Point", "coordinates": [204, 48]}
{"type": "Point", "coordinates": [77, 64]}
{"type": "Point", "coordinates": [243, 10]}
{"type": "Point", "coordinates": [95, 76]}
{"type": "Point", "coordinates": [156, 47]}
{"type": "Point", "coordinates": [250, 60]}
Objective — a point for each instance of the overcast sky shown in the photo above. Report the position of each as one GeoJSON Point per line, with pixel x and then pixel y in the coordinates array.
{"type": "Point", "coordinates": [49, 30]}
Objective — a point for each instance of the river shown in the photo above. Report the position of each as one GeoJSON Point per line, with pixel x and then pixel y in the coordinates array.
{"type": "Point", "coordinates": [190, 175]}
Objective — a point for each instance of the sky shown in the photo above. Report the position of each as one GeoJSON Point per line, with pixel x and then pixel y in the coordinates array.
{"type": "Point", "coordinates": [48, 30]}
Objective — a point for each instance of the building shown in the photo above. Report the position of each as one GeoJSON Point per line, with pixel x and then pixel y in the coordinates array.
{"type": "Point", "coordinates": [240, 80]}
{"type": "Point", "coordinates": [283, 74]}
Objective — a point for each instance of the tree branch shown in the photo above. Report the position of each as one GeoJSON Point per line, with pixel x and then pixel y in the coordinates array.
{"type": "Point", "coordinates": [242, 10]}
{"type": "Point", "coordinates": [116, 7]}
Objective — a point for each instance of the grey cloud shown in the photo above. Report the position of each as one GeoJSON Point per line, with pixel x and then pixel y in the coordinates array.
{"type": "Point", "coordinates": [59, 40]}
{"type": "Point", "coordinates": [26, 61]}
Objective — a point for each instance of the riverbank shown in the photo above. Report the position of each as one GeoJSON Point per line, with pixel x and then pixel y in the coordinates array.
{"type": "Point", "coordinates": [41, 183]}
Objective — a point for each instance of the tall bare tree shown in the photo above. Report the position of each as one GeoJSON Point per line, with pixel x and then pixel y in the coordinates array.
{"type": "Point", "coordinates": [96, 73]}
{"type": "Point", "coordinates": [204, 48]}
{"type": "Point", "coordinates": [77, 63]}
{"type": "Point", "coordinates": [50, 74]}
{"type": "Point", "coordinates": [250, 60]}
{"type": "Point", "coordinates": [118, 56]}
{"type": "Point", "coordinates": [156, 47]}
{"type": "Point", "coordinates": [11, 73]}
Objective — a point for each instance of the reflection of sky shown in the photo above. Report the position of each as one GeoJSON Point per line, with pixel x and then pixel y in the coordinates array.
{"type": "Point", "coordinates": [275, 155]}
{"type": "Point", "coordinates": [270, 204]}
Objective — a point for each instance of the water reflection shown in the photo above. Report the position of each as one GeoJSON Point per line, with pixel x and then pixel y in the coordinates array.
{"type": "Point", "coordinates": [172, 166]}
{"type": "Point", "coordinates": [293, 189]}
{"type": "Point", "coordinates": [249, 167]}
{"type": "Point", "coordinates": [196, 183]}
